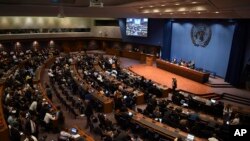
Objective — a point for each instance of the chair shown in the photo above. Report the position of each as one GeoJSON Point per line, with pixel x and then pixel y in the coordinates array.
{"type": "Point", "coordinates": [140, 110]}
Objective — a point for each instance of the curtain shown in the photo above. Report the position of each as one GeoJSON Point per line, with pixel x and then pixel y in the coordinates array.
{"type": "Point", "coordinates": [237, 55]}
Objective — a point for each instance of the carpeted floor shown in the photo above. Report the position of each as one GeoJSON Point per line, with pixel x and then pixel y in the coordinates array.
{"type": "Point", "coordinates": [165, 78]}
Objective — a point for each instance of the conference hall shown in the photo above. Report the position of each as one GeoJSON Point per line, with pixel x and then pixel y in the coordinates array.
{"type": "Point", "coordinates": [124, 70]}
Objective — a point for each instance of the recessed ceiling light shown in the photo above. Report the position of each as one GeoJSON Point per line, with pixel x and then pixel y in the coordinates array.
{"type": "Point", "coordinates": [182, 9]}
{"type": "Point", "coordinates": [177, 4]}
{"type": "Point", "coordinates": [151, 6]}
{"type": "Point", "coordinates": [168, 10]}
{"type": "Point", "coordinates": [217, 12]}
{"type": "Point", "coordinates": [156, 10]}
{"type": "Point", "coordinates": [145, 11]}
{"type": "Point", "coordinates": [194, 2]}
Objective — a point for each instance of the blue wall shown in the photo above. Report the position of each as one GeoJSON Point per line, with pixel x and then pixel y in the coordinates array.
{"type": "Point", "coordinates": [155, 33]}
{"type": "Point", "coordinates": [214, 57]}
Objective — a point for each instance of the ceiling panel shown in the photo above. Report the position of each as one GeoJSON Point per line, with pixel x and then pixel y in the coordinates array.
{"type": "Point", "coordinates": [129, 8]}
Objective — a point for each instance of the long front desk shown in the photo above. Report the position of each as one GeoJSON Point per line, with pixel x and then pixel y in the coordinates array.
{"type": "Point", "coordinates": [142, 57]}
{"type": "Point", "coordinates": [183, 71]}
{"type": "Point", "coordinates": [160, 128]}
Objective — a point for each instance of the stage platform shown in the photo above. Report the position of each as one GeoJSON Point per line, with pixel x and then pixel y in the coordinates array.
{"type": "Point", "coordinates": [165, 78]}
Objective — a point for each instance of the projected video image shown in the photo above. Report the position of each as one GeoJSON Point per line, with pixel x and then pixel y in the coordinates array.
{"type": "Point", "coordinates": [137, 27]}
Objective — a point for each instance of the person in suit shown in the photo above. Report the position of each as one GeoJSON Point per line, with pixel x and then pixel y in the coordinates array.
{"type": "Point", "coordinates": [14, 133]}
{"type": "Point", "coordinates": [60, 118]}
{"type": "Point", "coordinates": [88, 113]}
{"type": "Point", "coordinates": [174, 84]}
{"type": "Point", "coordinates": [31, 127]}
{"type": "Point", "coordinates": [122, 136]}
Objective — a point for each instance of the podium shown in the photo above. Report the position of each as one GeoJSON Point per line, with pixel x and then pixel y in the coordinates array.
{"type": "Point", "coordinates": [149, 60]}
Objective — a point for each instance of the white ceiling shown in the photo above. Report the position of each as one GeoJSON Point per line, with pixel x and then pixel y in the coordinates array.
{"type": "Point", "coordinates": [129, 8]}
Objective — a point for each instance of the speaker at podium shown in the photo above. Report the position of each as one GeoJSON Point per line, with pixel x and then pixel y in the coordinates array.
{"type": "Point", "coordinates": [149, 60]}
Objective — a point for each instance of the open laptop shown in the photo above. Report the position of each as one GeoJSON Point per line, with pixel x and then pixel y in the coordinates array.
{"type": "Point", "coordinates": [73, 131]}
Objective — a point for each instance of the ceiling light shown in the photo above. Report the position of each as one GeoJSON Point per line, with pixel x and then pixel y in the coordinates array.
{"type": "Point", "coordinates": [177, 4]}
{"type": "Point", "coordinates": [156, 11]}
{"type": "Point", "coordinates": [217, 12]}
{"type": "Point", "coordinates": [141, 7]}
{"type": "Point", "coordinates": [151, 6]}
{"type": "Point", "coordinates": [145, 11]}
{"type": "Point", "coordinates": [163, 5]}
{"type": "Point", "coordinates": [200, 8]}
{"type": "Point", "coordinates": [194, 2]}
{"type": "Point", "coordinates": [182, 9]}
{"type": "Point", "coordinates": [199, 12]}
{"type": "Point", "coordinates": [168, 10]}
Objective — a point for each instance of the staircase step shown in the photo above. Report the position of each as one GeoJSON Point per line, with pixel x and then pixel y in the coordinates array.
{"type": "Point", "coordinates": [236, 101]}
{"type": "Point", "coordinates": [247, 100]}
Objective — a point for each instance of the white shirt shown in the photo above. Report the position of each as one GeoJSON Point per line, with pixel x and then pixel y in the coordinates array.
{"type": "Point", "coordinates": [212, 139]}
{"type": "Point", "coordinates": [48, 117]}
{"type": "Point", "coordinates": [33, 137]}
{"type": "Point", "coordinates": [235, 121]}
{"type": "Point", "coordinates": [33, 106]}
{"type": "Point", "coordinates": [33, 126]}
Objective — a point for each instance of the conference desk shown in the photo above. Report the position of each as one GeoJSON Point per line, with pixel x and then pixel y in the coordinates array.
{"type": "Point", "coordinates": [84, 135]}
{"type": "Point", "coordinates": [40, 70]}
{"type": "Point", "coordinates": [139, 94]}
{"type": "Point", "coordinates": [163, 88]}
{"type": "Point", "coordinates": [142, 57]}
{"type": "Point", "coordinates": [112, 51]}
{"type": "Point", "coordinates": [37, 79]}
{"type": "Point", "coordinates": [202, 116]}
{"type": "Point", "coordinates": [183, 71]}
{"type": "Point", "coordinates": [160, 128]}
{"type": "Point", "coordinates": [4, 130]}
{"type": "Point", "coordinates": [105, 101]}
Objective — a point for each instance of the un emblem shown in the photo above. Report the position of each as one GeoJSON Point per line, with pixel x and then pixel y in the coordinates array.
{"type": "Point", "coordinates": [201, 34]}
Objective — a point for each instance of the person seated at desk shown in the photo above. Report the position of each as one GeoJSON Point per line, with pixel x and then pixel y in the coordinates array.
{"type": "Point", "coordinates": [64, 135]}
{"type": "Point", "coordinates": [191, 64]}
{"type": "Point", "coordinates": [47, 120]}
{"type": "Point", "coordinates": [227, 112]}
{"type": "Point", "coordinates": [122, 136]}
{"type": "Point", "coordinates": [213, 138]}
{"type": "Point", "coordinates": [156, 112]}
{"type": "Point", "coordinates": [15, 133]}
{"type": "Point", "coordinates": [29, 137]}
{"type": "Point", "coordinates": [174, 61]}
{"type": "Point", "coordinates": [235, 120]}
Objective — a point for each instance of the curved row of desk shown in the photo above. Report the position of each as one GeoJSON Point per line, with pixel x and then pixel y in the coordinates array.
{"type": "Point", "coordinates": [4, 130]}
{"type": "Point", "coordinates": [38, 80]}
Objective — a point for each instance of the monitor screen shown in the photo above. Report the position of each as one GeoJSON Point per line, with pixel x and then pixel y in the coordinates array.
{"type": "Point", "coordinates": [190, 137]}
{"type": "Point", "coordinates": [213, 101]}
{"type": "Point", "coordinates": [137, 27]}
{"type": "Point", "coordinates": [73, 131]}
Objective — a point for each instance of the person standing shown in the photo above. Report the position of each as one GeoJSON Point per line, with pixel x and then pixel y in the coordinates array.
{"type": "Point", "coordinates": [174, 84]}
{"type": "Point", "coordinates": [88, 113]}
